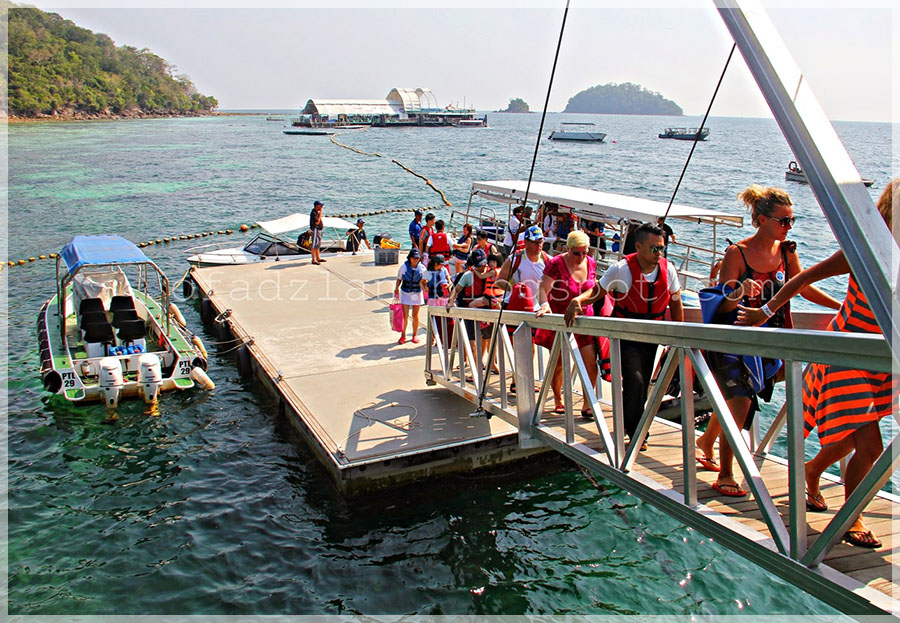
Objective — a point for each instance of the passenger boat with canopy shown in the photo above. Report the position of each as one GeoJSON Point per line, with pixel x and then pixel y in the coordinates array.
{"type": "Point", "coordinates": [102, 339]}
{"type": "Point", "coordinates": [615, 212]}
{"type": "Point", "coordinates": [269, 246]}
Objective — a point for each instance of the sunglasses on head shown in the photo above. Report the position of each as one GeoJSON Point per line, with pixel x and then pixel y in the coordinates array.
{"type": "Point", "coordinates": [784, 221]}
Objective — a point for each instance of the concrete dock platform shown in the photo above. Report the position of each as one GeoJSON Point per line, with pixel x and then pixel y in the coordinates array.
{"type": "Point", "coordinates": [319, 338]}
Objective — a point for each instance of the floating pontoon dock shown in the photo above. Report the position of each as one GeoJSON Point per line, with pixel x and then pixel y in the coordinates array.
{"type": "Point", "coordinates": [319, 338]}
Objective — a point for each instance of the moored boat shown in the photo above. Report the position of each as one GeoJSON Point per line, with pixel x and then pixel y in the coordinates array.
{"type": "Point", "coordinates": [686, 134]}
{"type": "Point", "coordinates": [268, 246]}
{"type": "Point", "coordinates": [309, 131]}
{"type": "Point", "coordinates": [577, 131]}
{"type": "Point", "coordinates": [102, 340]}
{"type": "Point", "coordinates": [795, 174]}
{"type": "Point", "coordinates": [471, 123]}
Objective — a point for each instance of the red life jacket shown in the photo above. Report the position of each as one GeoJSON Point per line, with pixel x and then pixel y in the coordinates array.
{"type": "Point", "coordinates": [644, 299]}
{"type": "Point", "coordinates": [440, 244]}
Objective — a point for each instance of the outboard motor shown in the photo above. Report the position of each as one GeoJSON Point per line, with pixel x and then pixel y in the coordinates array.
{"type": "Point", "coordinates": [149, 377]}
{"type": "Point", "coordinates": [110, 381]}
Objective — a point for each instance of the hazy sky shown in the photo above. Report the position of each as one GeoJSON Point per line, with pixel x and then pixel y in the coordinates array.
{"type": "Point", "coordinates": [485, 53]}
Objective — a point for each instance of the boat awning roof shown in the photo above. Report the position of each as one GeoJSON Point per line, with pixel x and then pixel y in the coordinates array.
{"type": "Point", "coordinates": [101, 250]}
{"type": "Point", "coordinates": [295, 221]}
{"type": "Point", "coordinates": [587, 202]}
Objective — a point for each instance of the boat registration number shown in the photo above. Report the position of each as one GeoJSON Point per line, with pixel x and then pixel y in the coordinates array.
{"type": "Point", "coordinates": [68, 379]}
{"type": "Point", "coordinates": [184, 367]}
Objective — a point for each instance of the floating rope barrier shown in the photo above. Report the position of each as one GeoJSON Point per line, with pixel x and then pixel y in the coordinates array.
{"type": "Point", "coordinates": [353, 149]}
{"type": "Point", "coordinates": [427, 181]}
{"type": "Point", "coordinates": [224, 232]}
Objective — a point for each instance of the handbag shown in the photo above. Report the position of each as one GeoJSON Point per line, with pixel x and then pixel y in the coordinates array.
{"type": "Point", "coordinates": [396, 311]}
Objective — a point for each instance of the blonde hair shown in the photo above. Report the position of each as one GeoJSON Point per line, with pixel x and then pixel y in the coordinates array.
{"type": "Point", "coordinates": [577, 239]}
{"type": "Point", "coordinates": [885, 203]}
{"type": "Point", "coordinates": [762, 200]}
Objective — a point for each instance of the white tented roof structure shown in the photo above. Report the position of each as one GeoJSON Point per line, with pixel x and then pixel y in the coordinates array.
{"type": "Point", "coordinates": [333, 108]}
{"type": "Point", "coordinates": [397, 103]}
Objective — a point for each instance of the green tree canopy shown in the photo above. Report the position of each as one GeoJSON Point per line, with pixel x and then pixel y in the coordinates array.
{"type": "Point", "coordinates": [517, 105]}
{"type": "Point", "coordinates": [622, 99]}
{"type": "Point", "coordinates": [58, 67]}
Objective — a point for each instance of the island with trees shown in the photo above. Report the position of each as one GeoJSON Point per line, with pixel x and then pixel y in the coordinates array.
{"type": "Point", "coordinates": [516, 105]}
{"type": "Point", "coordinates": [59, 70]}
{"type": "Point", "coordinates": [622, 99]}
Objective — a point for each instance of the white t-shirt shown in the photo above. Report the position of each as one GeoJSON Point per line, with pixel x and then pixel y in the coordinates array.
{"type": "Point", "coordinates": [529, 273]}
{"type": "Point", "coordinates": [511, 228]}
{"type": "Point", "coordinates": [549, 229]}
{"type": "Point", "coordinates": [617, 278]}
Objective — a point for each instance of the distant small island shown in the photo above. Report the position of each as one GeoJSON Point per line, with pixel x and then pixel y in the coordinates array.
{"type": "Point", "coordinates": [516, 105]}
{"type": "Point", "coordinates": [622, 99]}
{"type": "Point", "coordinates": [58, 70]}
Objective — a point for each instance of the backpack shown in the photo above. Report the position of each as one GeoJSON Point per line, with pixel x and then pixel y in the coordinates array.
{"type": "Point", "coordinates": [304, 240]}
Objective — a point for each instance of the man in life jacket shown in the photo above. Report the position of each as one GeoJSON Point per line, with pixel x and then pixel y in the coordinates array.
{"type": "Point", "coordinates": [438, 243]}
{"type": "Point", "coordinates": [475, 288]}
{"type": "Point", "coordinates": [643, 285]}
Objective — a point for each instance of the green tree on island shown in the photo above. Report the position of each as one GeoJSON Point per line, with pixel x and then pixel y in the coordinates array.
{"type": "Point", "coordinates": [517, 105]}
{"type": "Point", "coordinates": [56, 67]}
{"type": "Point", "coordinates": [622, 99]}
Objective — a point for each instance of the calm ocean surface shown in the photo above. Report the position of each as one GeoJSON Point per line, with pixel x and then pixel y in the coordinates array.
{"type": "Point", "coordinates": [215, 507]}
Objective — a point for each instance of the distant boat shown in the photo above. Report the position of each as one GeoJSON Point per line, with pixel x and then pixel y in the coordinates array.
{"type": "Point", "coordinates": [572, 131]}
{"type": "Point", "coordinates": [686, 134]}
{"type": "Point", "coordinates": [274, 118]}
{"type": "Point", "coordinates": [310, 131]}
{"type": "Point", "coordinates": [796, 174]}
{"type": "Point", "coordinates": [471, 123]}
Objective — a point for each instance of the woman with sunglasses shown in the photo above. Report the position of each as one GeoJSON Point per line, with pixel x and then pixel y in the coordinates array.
{"type": "Point", "coordinates": [843, 405]}
{"type": "Point", "coordinates": [752, 272]}
{"type": "Point", "coordinates": [566, 276]}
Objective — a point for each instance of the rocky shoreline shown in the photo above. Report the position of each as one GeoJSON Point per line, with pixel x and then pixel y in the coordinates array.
{"type": "Point", "coordinates": [108, 116]}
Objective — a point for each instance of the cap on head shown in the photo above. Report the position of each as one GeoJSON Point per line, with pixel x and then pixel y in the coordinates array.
{"type": "Point", "coordinates": [359, 221]}
{"type": "Point", "coordinates": [317, 203]}
{"type": "Point", "coordinates": [534, 233]}
{"type": "Point", "coordinates": [418, 212]}
{"type": "Point", "coordinates": [414, 254]}
{"type": "Point", "coordinates": [438, 259]}
{"type": "Point", "coordinates": [477, 258]}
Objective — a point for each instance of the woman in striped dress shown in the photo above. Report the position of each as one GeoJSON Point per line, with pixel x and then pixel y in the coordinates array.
{"type": "Point", "coordinates": [844, 405]}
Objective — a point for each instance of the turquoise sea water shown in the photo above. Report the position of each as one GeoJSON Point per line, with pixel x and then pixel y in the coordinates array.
{"type": "Point", "coordinates": [214, 507]}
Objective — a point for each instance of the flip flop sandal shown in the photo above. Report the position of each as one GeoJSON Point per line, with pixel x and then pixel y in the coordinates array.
{"type": "Point", "coordinates": [816, 504]}
{"type": "Point", "coordinates": [862, 538]}
{"type": "Point", "coordinates": [708, 463]}
{"type": "Point", "coordinates": [731, 491]}
{"type": "Point", "coordinates": [587, 414]}
{"type": "Point", "coordinates": [560, 410]}
{"type": "Point", "coordinates": [512, 389]}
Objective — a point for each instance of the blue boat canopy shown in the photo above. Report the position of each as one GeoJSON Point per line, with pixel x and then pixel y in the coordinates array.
{"type": "Point", "coordinates": [109, 249]}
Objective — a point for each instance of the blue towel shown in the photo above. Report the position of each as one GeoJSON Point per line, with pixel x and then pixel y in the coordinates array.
{"type": "Point", "coordinates": [759, 369]}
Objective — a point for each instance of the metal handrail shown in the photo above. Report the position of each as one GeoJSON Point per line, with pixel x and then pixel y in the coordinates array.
{"type": "Point", "coordinates": [687, 340]}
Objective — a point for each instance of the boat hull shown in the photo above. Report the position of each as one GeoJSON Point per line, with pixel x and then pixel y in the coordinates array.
{"type": "Point", "coordinates": [580, 137]}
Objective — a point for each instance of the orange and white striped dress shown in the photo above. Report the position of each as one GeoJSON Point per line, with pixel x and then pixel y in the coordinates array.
{"type": "Point", "coordinates": [839, 400]}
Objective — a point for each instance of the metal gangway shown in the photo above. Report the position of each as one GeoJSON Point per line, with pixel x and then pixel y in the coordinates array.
{"type": "Point", "coordinates": [772, 529]}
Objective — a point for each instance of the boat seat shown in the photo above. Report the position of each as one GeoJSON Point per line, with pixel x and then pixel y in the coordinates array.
{"type": "Point", "coordinates": [99, 333]}
{"type": "Point", "coordinates": [90, 305]}
{"type": "Point", "coordinates": [92, 318]}
{"type": "Point", "coordinates": [119, 303]}
{"type": "Point", "coordinates": [124, 315]}
{"type": "Point", "coordinates": [130, 330]}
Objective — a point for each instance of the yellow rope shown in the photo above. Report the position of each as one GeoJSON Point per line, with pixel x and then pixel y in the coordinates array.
{"type": "Point", "coordinates": [427, 181]}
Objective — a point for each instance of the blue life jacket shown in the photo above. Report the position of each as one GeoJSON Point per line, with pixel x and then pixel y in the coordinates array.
{"type": "Point", "coordinates": [411, 280]}
{"type": "Point", "coordinates": [435, 280]}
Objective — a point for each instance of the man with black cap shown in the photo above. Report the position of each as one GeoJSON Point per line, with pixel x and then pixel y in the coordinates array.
{"type": "Point", "coordinates": [415, 228]}
{"type": "Point", "coordinates": [315, 227]}
{"type": "Point", "coordinates": [355, 237]}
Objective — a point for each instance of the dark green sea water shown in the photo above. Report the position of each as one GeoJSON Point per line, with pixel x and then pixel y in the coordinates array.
{"type": "Point", "coordinates": [214, 507]}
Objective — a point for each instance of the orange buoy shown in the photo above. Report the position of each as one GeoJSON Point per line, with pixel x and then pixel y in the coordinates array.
{"type": "Point", "coordinates": [244, 228]}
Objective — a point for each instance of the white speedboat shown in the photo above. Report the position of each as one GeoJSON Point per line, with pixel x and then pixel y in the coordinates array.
{"type": "Point", "coordinates": [795, 174]}
{"type": "Point", "coordinates": [268, 246]}
{"type": "Point", "coordinates": [102, 340]}
{"type": "Point", "coordinates": [573, 131]}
